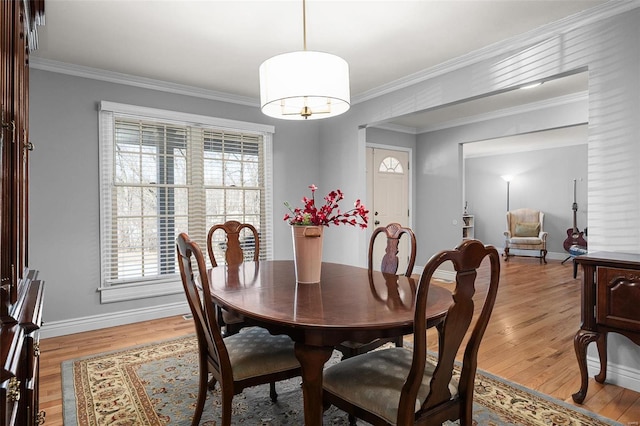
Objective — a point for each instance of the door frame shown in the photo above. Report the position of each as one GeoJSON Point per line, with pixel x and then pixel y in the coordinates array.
{"type": "Point", "coordinates": [411, 179]}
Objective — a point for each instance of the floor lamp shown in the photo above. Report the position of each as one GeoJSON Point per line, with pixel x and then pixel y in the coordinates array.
{"type": "Point", "coordinates": [507, 178]}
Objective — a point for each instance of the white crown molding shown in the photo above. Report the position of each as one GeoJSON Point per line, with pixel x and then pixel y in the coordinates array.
{"type": "Point", "coordinates": [528, 39]}
{"type": "Point", "coordinates": [143, 82]}
{"type": "Point", "coordinates": [395, 128]}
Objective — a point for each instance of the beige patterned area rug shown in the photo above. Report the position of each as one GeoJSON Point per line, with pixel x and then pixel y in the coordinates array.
{"type": "Point", "coordinates": [157, 384]}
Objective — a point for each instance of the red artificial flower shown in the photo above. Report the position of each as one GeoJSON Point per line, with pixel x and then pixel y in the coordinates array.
{"type": "Point", "coordinates": [328, 213]}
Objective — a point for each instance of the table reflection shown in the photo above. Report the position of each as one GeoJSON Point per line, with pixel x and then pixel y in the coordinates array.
{"type": "Point", "coordinates": [308, 301]}
{"type": "Point", "coordinates": [396, 297]}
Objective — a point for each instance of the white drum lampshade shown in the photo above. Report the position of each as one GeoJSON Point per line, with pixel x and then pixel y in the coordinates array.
{"type": "Point", "coordinates": [304, 85]}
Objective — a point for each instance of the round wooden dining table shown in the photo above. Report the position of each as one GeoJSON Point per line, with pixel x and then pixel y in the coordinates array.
{"type": "Point", "coordinates": [348, 304]}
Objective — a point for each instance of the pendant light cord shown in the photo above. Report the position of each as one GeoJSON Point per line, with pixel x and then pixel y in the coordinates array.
{"type": "Point", "coordinates": [304, 24]}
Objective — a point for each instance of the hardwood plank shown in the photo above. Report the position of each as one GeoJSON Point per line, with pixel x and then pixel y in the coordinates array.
{"type": "Point", "coordinates": [529, 341]}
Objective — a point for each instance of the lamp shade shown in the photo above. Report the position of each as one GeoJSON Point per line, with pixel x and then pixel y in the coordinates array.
{"type": "Point", "coordinates": [304, 85]}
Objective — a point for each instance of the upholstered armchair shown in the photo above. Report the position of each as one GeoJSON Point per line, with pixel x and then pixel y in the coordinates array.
{"type": "Point", "coordinates": [525, 232]}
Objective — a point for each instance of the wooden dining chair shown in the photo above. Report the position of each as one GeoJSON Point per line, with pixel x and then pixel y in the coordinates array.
{"type": "Point", "coordinates": [397, 386]}
{"type": "Point", "coordinates": [239, 240]}
{"type": "Point", "coordinates": [389, 265]}
{"type": "Point", "coordinates": [248, 358]}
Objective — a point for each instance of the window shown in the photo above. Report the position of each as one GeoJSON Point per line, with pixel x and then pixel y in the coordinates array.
{"type": "Point", "coordinates": [163, 173]}
{"type": "Point", "coordinates": [390, 165]}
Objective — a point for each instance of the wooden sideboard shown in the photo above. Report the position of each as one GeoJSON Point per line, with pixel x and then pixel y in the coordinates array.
{"type": "Point", "coordinates": [21, 292]}
{"type": "Point", "coordinates": [610, 300]}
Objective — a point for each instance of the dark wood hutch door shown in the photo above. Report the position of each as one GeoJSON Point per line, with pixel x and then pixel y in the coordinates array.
{"type": "Point", "coordinates": [21, 293]}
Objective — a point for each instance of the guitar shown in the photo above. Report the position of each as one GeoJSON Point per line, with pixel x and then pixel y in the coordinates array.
{"type": "Point", "coordinates": [574, 236]}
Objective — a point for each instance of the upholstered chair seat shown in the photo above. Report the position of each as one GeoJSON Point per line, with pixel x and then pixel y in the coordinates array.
{"type": "Point", "coordinates": [374, 380]}
{"type": "Point", "coordinates": [254, 350]}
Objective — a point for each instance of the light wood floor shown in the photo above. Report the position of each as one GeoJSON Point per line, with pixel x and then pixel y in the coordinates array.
{"type": "Point", "coordinates": [529, 341]}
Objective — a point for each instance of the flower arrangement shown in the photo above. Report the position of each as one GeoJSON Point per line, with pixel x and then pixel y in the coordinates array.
{"type": "Point", "coordinates": [327, 214]}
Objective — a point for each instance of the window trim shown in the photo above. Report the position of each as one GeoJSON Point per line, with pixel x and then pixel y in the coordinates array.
{"type": "Point", "coordinates": [170, 284]}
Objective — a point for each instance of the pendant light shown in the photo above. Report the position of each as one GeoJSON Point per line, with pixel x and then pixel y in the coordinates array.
{"type": "Point", "coordinates": [304, 85]}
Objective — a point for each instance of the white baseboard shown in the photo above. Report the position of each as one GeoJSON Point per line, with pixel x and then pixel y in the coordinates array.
{"type": "Point", "coordinates": [619, 375]}
{"type": "Point", "coordinates": [445, 275]}
{"type": "Point", "coordinates": [557, 256]}
{"type": "Point", "coordinates": [96, 322]}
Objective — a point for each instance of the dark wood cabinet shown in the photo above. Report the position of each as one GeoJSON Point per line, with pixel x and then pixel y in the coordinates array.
{"type": "Point", "coordinates": [610, 300]}
{"type": "Point", "coordinates": [21, 292]}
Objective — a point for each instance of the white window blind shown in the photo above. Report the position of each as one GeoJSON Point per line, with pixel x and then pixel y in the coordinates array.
{"type": "Point", "coordinates": [163, 173]}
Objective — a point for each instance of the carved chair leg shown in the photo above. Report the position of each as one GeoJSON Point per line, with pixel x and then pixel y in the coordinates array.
{"type": "Point", "coordinates": [221, 320]}
{"type": "Point", "coordinates": [212, 384]}
{"type": "Point", "coordinates": [233, 328]}
{"type": "Point", "coordinates": [399, 342]}
{"type": "Point", "coordinates": [202, 392]}
{"type": "Point", "coordinates": [506, 254]}
{"type": "Point", "coordinates": [272, 392]}
{"type": "Point", "coordinates": [226, 408]}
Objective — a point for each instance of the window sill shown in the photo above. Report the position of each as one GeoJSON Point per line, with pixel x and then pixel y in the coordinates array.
{"type": "Point", "coordinates": [121, 293]}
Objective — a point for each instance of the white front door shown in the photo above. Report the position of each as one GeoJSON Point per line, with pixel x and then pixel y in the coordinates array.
{"type": "Point", "coordinates": [388, 181]}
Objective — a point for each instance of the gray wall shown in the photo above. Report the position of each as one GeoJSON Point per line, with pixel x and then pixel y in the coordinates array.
{"type": "Point", "coordinates": [545, 183]}
{"type": "Point", "coordinates": [64, 183]}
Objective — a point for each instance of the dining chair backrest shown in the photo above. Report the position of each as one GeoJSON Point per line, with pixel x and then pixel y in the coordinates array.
{"type": "Point", "coordinates": [257, 356]}
{"type": "Point", "coordinates": [210, 340]}
{"type": "Point", "coordinates": [389, 266]}
{"type": "Point", "coordinates": [439, 404]}
{"type": "Point", "coordinates": [236, 242]}
{"type": "Point", "coordinates": [239, 237]}
{"type": "Point", "coordinates": [390, 261]}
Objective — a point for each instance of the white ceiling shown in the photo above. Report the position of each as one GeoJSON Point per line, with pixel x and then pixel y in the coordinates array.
{"type": "Point", "coordinates": [218, 45]}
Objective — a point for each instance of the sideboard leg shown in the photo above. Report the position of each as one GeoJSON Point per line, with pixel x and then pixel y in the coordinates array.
{"type": "Point", "coordinates": [580, 343]}
{"type": "Point", "coordinates": [601, 343]}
